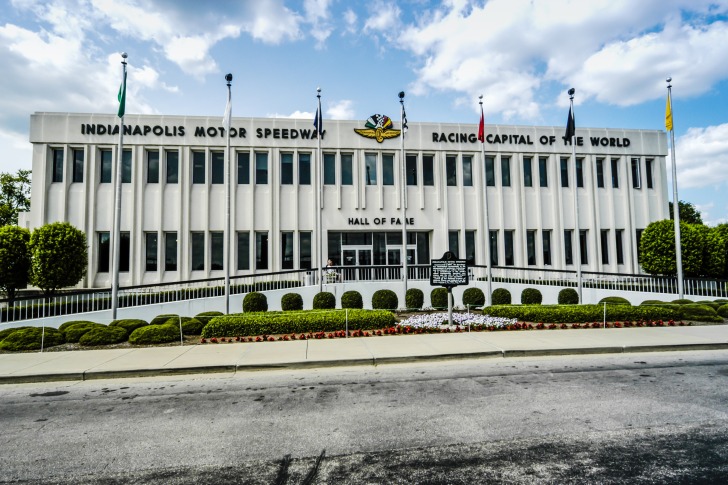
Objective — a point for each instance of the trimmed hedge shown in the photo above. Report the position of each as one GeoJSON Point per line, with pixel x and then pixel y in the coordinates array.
{"type": "Point", "coordinates": [324, 300]}
{"type": "Point", "coordinates": [30, 339]}
{"type": "Point", "coordinates": [352, 299]}
{"type": "Point", "coordinates": [414, 298]}
{"type": "Point", "coordinates": [161, 319]}
{"type": "Point", "coordinates": [190, 325]}
{"type": "Point", "coordinates": [473, 297]}
{"type": "Point", "coordinates": [291, 302]}
{"type": "Point", "coordinates": [683, 301]}
{"type": "Point", "coordinates": [500, 296]}
{"type": "Point", "coordinates": [712, 304]}
{"type": "Point", "coordinates": [581, 313]}
{"type": "Point", "coordinates": [531, 296]}
{"type": "Point", "coordinates": [155, 334]}
{"type": "Point", "coordinates": [653, 302]}
{"type": "Point", "coordinates": [723, 311]}
{"type": "Point", "coordinates": [64, 326]}
{"type": "Point", "coordinates": [244, 324]}
{"type": "Point", "coordinates": [129, 324]}
{"type": "Point", "coordinates": [385, 300]}
{"type": "Point", "coordinates": [701, 313]}
{"type": "Point", "coordinates": [438, 298]}
{"type": "Point", "coordinates": [614, 300]}
{"type": "Point", "coordinates": [255, 302]}
{"type": "Point", "coordinates": [8, 331]}
{"type": "Point", "coordinates": [205, 317]}
{"type": "Point", "coordinates": [568, 296]}
{"type": "Point", "coordinates": [74, 333]}
{"type": "Point", "coordinates": [103, 336]}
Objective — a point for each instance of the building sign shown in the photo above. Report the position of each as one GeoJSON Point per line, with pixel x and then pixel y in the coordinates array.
{"type": "Point", "coordinates": [378, 127]}
{"type": "Point", "coordinates": [448, 271]}
{"type": "Point", "coordinates": [380, 221]}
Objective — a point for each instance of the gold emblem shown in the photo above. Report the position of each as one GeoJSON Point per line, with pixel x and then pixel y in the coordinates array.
{"type": "Point", "coordinates": [379, 128]}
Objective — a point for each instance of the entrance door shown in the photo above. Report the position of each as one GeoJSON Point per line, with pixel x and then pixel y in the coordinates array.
{"type": "Point", "coordinates": [357, 262]}
{"type": "Point", "coordinates": [394, 255]}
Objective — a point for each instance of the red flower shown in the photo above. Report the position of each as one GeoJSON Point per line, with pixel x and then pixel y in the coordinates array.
{"type": "Point", "coordinates": [202, 341]}
{"type": "Point", "coordinates": [213, 340]}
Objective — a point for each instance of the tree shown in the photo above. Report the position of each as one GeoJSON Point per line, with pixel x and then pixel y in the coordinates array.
{"type": "Point", "coordinates": [721, 233]}
{"type": "Point", "coordinates": [657, 247]}
{"type": "Point", "coordinates": [14, 196]}
{"type": "Point", "coordinates": [688, 213]}
{"type": "Point", "coordinates": [14, 260]}
{"type": "Point", "coordinates": [59, 256]}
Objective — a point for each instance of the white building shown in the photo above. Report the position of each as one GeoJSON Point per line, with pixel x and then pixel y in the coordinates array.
{"type": "Point", "coordinates": [173, 194]}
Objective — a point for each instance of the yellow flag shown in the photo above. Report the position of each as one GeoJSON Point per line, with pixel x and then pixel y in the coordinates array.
{"type": "Point", "coordinates": [668, 114]}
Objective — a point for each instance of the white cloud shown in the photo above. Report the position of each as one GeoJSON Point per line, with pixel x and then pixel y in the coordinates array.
{"type": "Point", "coordinates": [301, 115]}
{"type": "Point", "coordinates": [702, 157]}
{"type": "Point", "coordinates": [383, 19]}
{"type": "Point", "coordinates": [317, 13]}
{"type": "Point", "coordinates": [341, 110]}
{"type": "Point", "coordinates": [350, 19]}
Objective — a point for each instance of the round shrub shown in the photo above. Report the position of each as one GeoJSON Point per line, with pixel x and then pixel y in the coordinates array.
{"type": "Point", "coordinates": [723, 311]}
{"type": "Point", "coordinates": [129, 324]}
{"type": "Point", "coordinates": [255, 302]}
{"type": "Point", "coordinates": [438, 298]}
{"type": "Point", "coordinates": [291, 302]}
{"type": "Point", "coordinates": [64, 326]}
{"type": "Point", "coordinates": [385, 300]}
{"type": "Point", "coordinates": [160, 319]}
{"type": "Point", "coordinates": [352, 299]}
{"type": "Point", "coordinates": [614, 300]}
{"type": "Point", "coordinates": [8, 331]}
{"type": "Point", "coordinates": [30, 339]}
{"type": "Point", "coordinates": [653, 302]}
{"type": "Point", "coordinates": [531, 296]}
{"type": "Point", "coordinates": [75, 332]}
{"type": "Point", "coordinates": [104, 336]}
{"type": "Point", "coordinates": [500, 296]}
{"type": "Point", "coordinates": [682, 301]}
{"type": "Point", "coordinates": [324, 300]}
{"type": "Point", "coordinates": [414, 298]}
{"type": "Point", "coordinates": [701, 313]}
{"type": "Point", "coordinates": [205, 317]}
{"type": "Point", "coordinates": [710, 303]}
{"type": "Point", "coordinates": [190, 325]}
{"type": "Point", "coordinates": [473, 297]}
{"type": "Point", "coordinates": [568, 296]}
{"type": "Point", "coordinates": [154, 334]}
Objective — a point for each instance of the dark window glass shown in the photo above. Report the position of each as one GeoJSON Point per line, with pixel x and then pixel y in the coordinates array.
{"type": "Point", "coordinates": [286, 250]}
{"type": "Point", "coordinates": [508, 246]}
{"type": "Point", "coordinates": [489, 171]}
{"type": "Point", "coordinates": [106, 162]}
{"type": "Point", "coordinates": [261, 250]}
{"type": "Point", "coordinates": [304, 169]}
{"type": "Point", "coordinates": [243, 168]}
{"type": "Point", "coordinates": [57, 165]}
{"type": "Point", "coordinates": [334, 247]}
{"type": "Point", "coordinates": [564, 172]}
{"type": "Point", "coordinates": [370, 162]}
{"type": "Point", "coordinates": [170, 251]}
{"type": "Point", "coordinates": [153, 168]}
{"type": "Point", "coordinates": [197, 240]}
{"type": "Point", "coordinates": [124, 252]}
{"type": "Point", "coordinates": [411, 168]}
{"type": "Point", "coordinates": [387, 169]}
{"type": "Point", "coordinates": [198, 167]}
{"type": "Point", "coordinates": [347, 174]}
{"type": "Point", "coordinates": [638, 236]}
{"type": "Point", "coordinates": [470, 247]}
{"type": "Point", "coordinates": [286, 168]}
{"type": "Point", "coordinates": [172, 160]}
{"type": "Point", "coordinates": [104, 252]}
{"type": "Point", "coordinates": [583, 247]}
{"type": "Point", "coordinates": [329, 169]}
{"type": "Point", "coordinates": [615, 173]}
{"type": "Point", "coordinates": [636, 179]}
{"type": "Point", "coordinates": [546, 241]}
{"type": "Point", "coordinates": [151, 251]}
{"type": "Point", "coordinates": [605, 246]}
{"type": "Point", "coordinates": [261, 169]}
{"type": "Point", "coordinates": [620, 250]}
{"type": "Point", "coordinates": [379, 244]}
{"type": "Point", "coordinates": [428, 170]}
{"type": "Point", "coordinates": [506, 171]}
{"type": "Point", "coordinates": [243, 250]}
{"type": "Point", "coordinates": [543, 174]}
{"type": "Point", "coordinates": [600, 172]}
{"type": "Point", "coordinates": [451, 170]}
{"type": "Point", "coordinates": [304, 250]}
{"type": "Point", "coordinates": [217, 165]}
{"type": "Point", "coordinates": [423, 248]}
{"type": "Point", "coordinates": [217, 250]}
{"type": "Point", "coordinates": [126, 167]}
{"type": "Point", "coordinates": [568, 253]}
{"type": "Point", "coordinates": [527, 172]}
{"type": "Point", "coordinates": [531, 247]}
{"type": "Point", "coordinates": [454, 243]}
{"type": "Point", "coordinates": [494, 248]}
{"type": "Point", "coordinates": [580, 172]}
{"type": "Point", "coordinates": [77, 166]}
{"type": "Point", "coordinates": [467, 171]}
{"type": "Point", "coordinates": [648, 172]}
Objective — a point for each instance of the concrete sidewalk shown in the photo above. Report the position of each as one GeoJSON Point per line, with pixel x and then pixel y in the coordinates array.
{"type": "Point", "coordinates": [235, 357]}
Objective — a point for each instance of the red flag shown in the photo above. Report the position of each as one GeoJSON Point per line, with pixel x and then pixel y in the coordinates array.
{"type": "Point", "coordinates": [481, 128]}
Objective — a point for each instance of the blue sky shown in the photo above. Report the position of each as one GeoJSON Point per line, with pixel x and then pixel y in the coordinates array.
{"type": "Point", "coordinates": [522, 55]}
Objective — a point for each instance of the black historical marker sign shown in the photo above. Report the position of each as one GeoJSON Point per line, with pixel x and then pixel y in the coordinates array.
{"type": "Point", "coordinates": [448, 271]}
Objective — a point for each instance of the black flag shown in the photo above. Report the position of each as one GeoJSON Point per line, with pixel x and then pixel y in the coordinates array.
{"type": "Point", "coordinates": [570, 126]}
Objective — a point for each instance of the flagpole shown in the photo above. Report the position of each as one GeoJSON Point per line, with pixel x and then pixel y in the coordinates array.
{"type": "Point", "coordinates": [576, 204]}
{"type": "Point", "coordinates": [403, 195]}
{"type": "Point", "coordinates": [320, 187]}
{"type": "Point", "coordinates": [675, 201]}
{"type": "Point", "coordinates": [116, 242]}
{"type": "Point", "coordinates": [488, 258]}
{"type": "Point", "coordinates": [226, 121]}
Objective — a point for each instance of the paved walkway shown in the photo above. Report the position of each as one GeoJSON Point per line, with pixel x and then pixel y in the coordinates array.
{"type": "Point", "coordinates": [237, 357]}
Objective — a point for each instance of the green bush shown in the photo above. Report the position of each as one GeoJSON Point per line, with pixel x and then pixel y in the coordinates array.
{"type": "Point", "coordinates": [414, 298]}
{"type": "Point", "coordinates": [700, 313]}
{"type": "Point", "coordinates": [205, 317]}
{"type": "Point", "coordinates": [683, 301]}
{"type": "Point", "coordinates": [710, 303]}
{"type": "Point", "coordinates": [531, 296]}
{"type": "Point", "coordinates": [473, 297]}
{"type": "Point", "coordinates": [723, 311]}
{"type": "Point", "coordinates": [155, 334]}
{"type": "Point", "coordinates": [652, 302]}
{"type": "Point", "coordinates": [581, 313]}
{"type": "Point", "coordinates": [352, 299]}
{"type": "Point", "coordinates": [291, 302]}
{"type": "Point", "coordinates": [161, 319]}
{"type": "Point", "coordinates": [8, 331]}
{"type": "Point", "coordinates": [324, 300]}
{"type": "Point", "coordinates": [64, 326]}
{"type": "Point", "coordinates": [614, 300]}
{"type": "Point", "coordinates": [129, 324]}
{"type": "Point", "coordinates": [568, 296]}
{"type": "Point", "coordinates": [255, 302]}
{"type": "Point", "coordinates": [30, 339]}
{"type": "Point", "coordinates": [190, 325]}
{"type": "Point", "coordinates": [74, 333]}
{"type": "Point", "coordinates": [103, 336]}
{"type": "Point", "coordinates": [245, 324]}
{"type": "Point", "coordinates": [385, 300]}
{"type": "Point", "coordinates": [500, 296]}
{"type": "Point", "coordinates": [438, 298]}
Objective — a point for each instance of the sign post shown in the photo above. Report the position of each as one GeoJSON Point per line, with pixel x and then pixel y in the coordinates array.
{"type": "Point", "coordinates": [449, 272]}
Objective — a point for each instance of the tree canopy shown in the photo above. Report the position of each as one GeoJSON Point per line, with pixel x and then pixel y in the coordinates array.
{"type": "Point", "coordinates": [59, 256]}
{"type": "Point", "coordinates": [688, 213]}
{"type": "Point", "coordinates": [14, 260]}
{"type": "Point", "coordinates": [14, 196]}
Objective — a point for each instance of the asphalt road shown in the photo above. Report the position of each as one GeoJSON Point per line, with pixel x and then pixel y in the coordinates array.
{"type": "Point", "coordinates": [627, 418]}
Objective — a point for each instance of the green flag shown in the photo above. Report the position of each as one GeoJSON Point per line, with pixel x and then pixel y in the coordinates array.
{"type": "Point", "coordinates": [122, 97]}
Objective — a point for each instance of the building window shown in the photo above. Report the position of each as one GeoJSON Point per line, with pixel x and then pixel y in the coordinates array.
{"type": "Point", "coordinates": [197, 241]}
{"type": "Point", "coordinates": [489, 172]}
{"type": "Point", "coordinates": [261, 168]}
{"type": "Point", "coordinates": [217, 165]}
{"type": "Point", "coordinates": [304, 169]}
{"type": "Point", "coordinates": [543, 175]}
{"type": "Point", "coordinates": [286, 168]}
{"type": "Point", "coordinates": [124, 252]}
{"type": "Point", "coordinates": [506, 171]}
{"type": "Point", "coordinates": [638, 237]}
{"type": "Point", "coordinates": [198, 167]}
{"type": "Point", "coordinates": [104, 252]}
{"type": "Point", "coordinates": [531, 247]}
{"type": "Point", "coordinates": [217, 250]}
{"type": "Point", "coordinates": [411, 169]}
{"type": "Point", "coordinates": [494, 248]}
{"type": "Point", "coordinates": [508, 247]}
{"type": "Point", "coordinates": [604, 235]}
{"type": "Point", "coordinates": [580, 172]}
{"type": "Point", "coordinates": [304, 250]}
{"type": "Point", "coordinates": [467, 171]}
{"type": "Point", "coordinates": [568, 253]}
{"type": "Point", "coordinates": [170, 251]}
{"type": "Point", "coordinates": [527, 172]}
{"type": "Point", "coordinates": [470, 247]}
{"type": "Point", "coordinates": [370, 162]}
{"type": "Point", "coordinates": [451, 174]}
{"type": "Point", "coordinates": [57, 165]}
{"type": "Point", "coordinates": [126, 167]}
{"type": "Point", "coordinates": [347, 172]}
{"type": "Point", "coordinates": [564, 172]}
{"type": "Point", "coordinates": [636, 179]}
{"type": "Point", "coordinates": [172, 162]}
{"type": "Point", "coordinates": [243, 250]}
{"type": "Point", "coordinates": [286, 250]}
{"type": "Point", "coordinates": [428, 170]}
{"type": "Point", "coordinates": [453, 240]}
{"type": "Point", "coordinates": [615, 173]}
{"type": "Point", "coordinates": [329, 169]}
{"type": "Point", "coordinates": [153, 167]}
{"type": "Point", "coordinates": [600, 172]}
{"type": "Point", "coordinates": [243, 168]}
{"type": "Point", "coordinates": [648, 172]}
{"type": "Point", "coordinates": [618, 239]}
{"type": "Point", "coordinates": [77, 166]}
{"type": "Point", "coordinates": [261, 250]}
{"type": "Point", "coordinates": [423, 248]}
{"type": "Point", "coordinates": [583, 247]}
{"type": "Point", "coordinates": [105, 169]}
{"type": "Point", "coordinates": [546, 246]}
{"type": "Point", "coordinates": [387, 169]}
{"type": "Point", "coordinates": [150, 245]}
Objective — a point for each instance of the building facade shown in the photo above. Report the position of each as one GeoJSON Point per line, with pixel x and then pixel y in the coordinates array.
{"type": "Point", "coordinates": [173, 214]}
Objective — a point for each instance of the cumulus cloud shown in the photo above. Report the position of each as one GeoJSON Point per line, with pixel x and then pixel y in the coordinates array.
{"type": "Point", "coordinates": [341, 110]}
{"type": "Point", "coordinates": [300, 115]}
{"type": "Point", "coordinates": [702, 157]}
